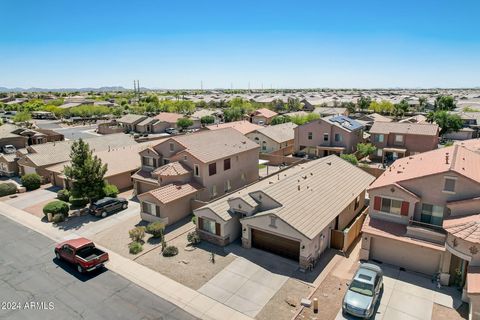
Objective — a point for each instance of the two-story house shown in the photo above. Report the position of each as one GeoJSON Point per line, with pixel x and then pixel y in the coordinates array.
{"type": "Point", "coordinates": [194, 167]}
{"type": "Point", "coordinates": [395, 140]}
{"type": "Point", "coordinates": [424, 215]}
{"type": "Point", "coordinates": [262, 116]}
{"type": "Point", "coordinates": [274, 138]}
{"type": "Point", "coordinates": [330, 135]}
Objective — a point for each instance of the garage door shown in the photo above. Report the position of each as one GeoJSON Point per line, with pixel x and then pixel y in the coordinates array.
{"type": "Point", "coordinates": [276, 244]}
{"type": "Point", "coordinates": [405, 255]}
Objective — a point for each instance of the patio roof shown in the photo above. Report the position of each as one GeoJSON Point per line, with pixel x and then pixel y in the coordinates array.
{"type": "Point", "coordinates": [400, 150]}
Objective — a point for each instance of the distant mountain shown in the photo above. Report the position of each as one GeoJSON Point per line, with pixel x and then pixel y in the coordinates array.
{"type": "Point", "coordinates": [102, 89]}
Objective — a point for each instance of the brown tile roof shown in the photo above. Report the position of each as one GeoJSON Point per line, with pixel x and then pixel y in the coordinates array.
{"type": "Point", "coordinates": [395, 231]}
{"type": "Point", "coordinates": [465, 227]}
{"type": "Point", "coordinates": [427, 129]}
{"type": "Point", "coordinates": [461, 160]}
{"type": "Point", "coordinates": [243, 126]}
{"type": "Point", "coordinates": [131, 118]}
{"type": "Point", "coordinates": [172, 169]}
{"type": "Point", "coordinates": [144, 176]}
{"type": "Point", "coordinates": [168, 117]}
{"type": "Point", "coordinates": [172, 192]}
{"type": "Point", "coordinates": [208, 146]}
{"type": "Point", "coordinates": [267, 113]}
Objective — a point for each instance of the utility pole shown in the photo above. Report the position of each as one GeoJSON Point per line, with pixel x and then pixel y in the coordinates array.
{"type": "Point", "coordinates": [248, 85]}
{"type": "Point", "coordinates": [201, 85]}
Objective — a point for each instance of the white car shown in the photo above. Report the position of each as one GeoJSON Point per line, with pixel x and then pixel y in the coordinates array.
{"type": "Point", "coordinates": [9, 149]}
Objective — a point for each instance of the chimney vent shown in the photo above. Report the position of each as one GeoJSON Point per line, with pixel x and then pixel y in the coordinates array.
{"type": "Point", "coordinates": [298, 187]}
{"type": "Point", "coordinates": [446, 158]}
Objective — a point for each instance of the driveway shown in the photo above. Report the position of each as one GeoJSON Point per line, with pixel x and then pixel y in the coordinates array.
{"type": "Point", "coordinates": [244, 286]}
{"type": "Point", "coordinates": [31, 198]}
{"type": "Point", "coordinates": [410, 296]}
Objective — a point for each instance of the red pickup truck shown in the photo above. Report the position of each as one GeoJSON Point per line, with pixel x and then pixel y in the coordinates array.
{"type": "Point", "coordinates": [82, 253]}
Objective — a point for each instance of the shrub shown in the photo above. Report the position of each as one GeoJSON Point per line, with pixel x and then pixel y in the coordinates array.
{"type": "Point", "coordinates": [350, 158]}
{"type": "Point", "coordinates": [135, 247]}
{"type": "Point", "coordinates": [57, 218]}
{"type": "Point", "coordinates": [7, 189]}
{"type": "Point", "coordinates": [193, 237]}
{"type": "Point", "coordinates": [170, 251]}
{"type": "Point", "coordinates": [31, 181]}
{"type": "Point", "coordinates": [156, 229]}
{"type": "Point", "coordinates": [137, 234]}
{"type": "Point", "coordinates": [110, 190]}
{"type": "Point", "coordinates": [63, 195]}
{"type": "Point", "coordinates": [77, 202]}
{"type": "Point", "coordinates": [194, 220]}
{"type": "Point", "coordinates": [56, 207]}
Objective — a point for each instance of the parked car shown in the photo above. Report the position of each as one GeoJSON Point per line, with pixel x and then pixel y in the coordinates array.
{"type": "Point", "coordinates": [171, 131]}
{"type": "Point", "coordinates": [9, 149]}
{"type": "Point", "coordinates": [82, 253]}
{"type": "Point", "coordinates": [364, 291]}
{"type": "Point", "coordinates": [106, 206]}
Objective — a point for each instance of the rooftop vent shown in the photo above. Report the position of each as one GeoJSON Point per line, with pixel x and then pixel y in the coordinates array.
{"type": "Point", "coordinates": [298, 187]}
{"type": "Point", "coordinates": [446, 158]}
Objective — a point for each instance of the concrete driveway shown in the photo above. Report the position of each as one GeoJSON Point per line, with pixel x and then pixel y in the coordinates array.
{"type": "Point", "coordinates": [410, 296]}
{"type": "Point", "coordinates": [244, 286]}
{"type": "Point", "coordinates": [31, 198]}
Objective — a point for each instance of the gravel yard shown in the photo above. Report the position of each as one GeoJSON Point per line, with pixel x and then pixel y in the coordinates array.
{"type": "Point", "coordinates": [192, 266]}
{"type": "Point", "coordinates": [279, 307]}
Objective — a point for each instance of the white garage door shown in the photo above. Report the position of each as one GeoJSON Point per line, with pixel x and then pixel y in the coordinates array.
{"type": "Point", "coordinates": [405, 255]}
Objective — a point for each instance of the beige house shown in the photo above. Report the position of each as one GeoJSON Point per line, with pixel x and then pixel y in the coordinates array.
{"type": "Point", "coordinates": [129, 122]}
{"type": "Point", "coordinates": [291, 213]}
{"type": "Point", "coordinates": [241, 126]}
{"type": "Point", "coordinates": [191, 168]}
{"type": "Point", "coordinates": [424, 215]}
{"type": "Point", "coordinates": [329, 135]}
{"type": "Point", "coordinates": [274, 138]}
{"type": "Point", "coordinates": [262, 116]}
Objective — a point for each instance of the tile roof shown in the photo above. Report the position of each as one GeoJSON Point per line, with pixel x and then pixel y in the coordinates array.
{"type": "Point", "coordinates": [172, 192]}
{"type": "Point", "coordinates": [242, 126]}
{"type": "Point", "coordinates": [460, 160]}
{"type": "Point", "coordinates": [168, 117]}
{"type": "Point", "coordinates": [7, 129]}
{"type": "Point", "coordinates": [344, 122]}
{"type": "Point", "coordinates": [267, 113]}
{"type": "Point", "coordinates": [208, 146]}
{"type": "Point", "coordinates": [279, 133]}
{"type": "Point", "coordinates": [464, 227]}
{"type": "Point", "coordinates": [131, 118]}
{"type": "Point", "coordinates": [427, 129]}
{"type": "Point", "coordinates": [172, 169]}
{"type": "Point", "coordinates": [146, 121]}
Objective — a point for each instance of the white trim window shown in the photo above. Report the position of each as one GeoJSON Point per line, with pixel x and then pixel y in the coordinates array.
{"type": "Point", "coordinates": [338, 137]}
{"type": "Point", "coordinates": [398, 138]}
{"type": "Point", "coordinates": [213, 190]}
{"type": "Point", "coordinates": [150, 208]}
{"type": "Point", "coordinates": [228, 186]}
{"type": "Point", "coordinates": [172, 146]}
{"type": "Point", "coordinates": [391, 206]}
{"type": "Point", "coordinates": [379, 152]}
{"type": "Point", "coordinates": [209, 226]}
{"type": "Point", "coordinates": [148, 161]}
{"type": "Point", "coordinates": [378, 138]}
{"type": "Point", "coordinates": [196, 170]}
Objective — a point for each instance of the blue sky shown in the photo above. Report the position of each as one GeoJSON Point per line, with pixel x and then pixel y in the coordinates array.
{"type": "Point", "coordinates": [279, 44]}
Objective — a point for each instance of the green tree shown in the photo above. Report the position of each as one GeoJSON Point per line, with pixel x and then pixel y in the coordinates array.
{"type": "Point", "coordinates": [446, 121]}
{"type": "Point", "coordinates": [445, 103]}
{"type": "Point", "coordinates": [399, 109]}
{"type": "Point", "coordinates": [299, 120]}
{"type": "Point", "coordinates": [422, 103]}
{"type": "Point", "coordinates": [86, 172]}
{"type": "Point", "coordinates": [350, 106]}
{"type": "Point", "coordinates": [23, 116]}
{"type": "Point", "coordinates": [383, 106]}
{"type": "Point", "coordinates": [293, 104]}
{"type": "Point", "coordinates": [280, 119]}
{"type": "Point", "coordinates": [206, 120]}
{"type": "Point", "coordinates": [364, 102]}
{"type": "Point", "coordinates": [365, 149]}
{"type": "Point", "coordinates": [350, 158]}
{"type": "Point", "coordinates": [184, 123]}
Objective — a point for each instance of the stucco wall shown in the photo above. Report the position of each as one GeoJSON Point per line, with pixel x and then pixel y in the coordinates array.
{"type": "Point", "coordinates": [347, 215]}
{"type": "Point", "coordinates": [175, 210]}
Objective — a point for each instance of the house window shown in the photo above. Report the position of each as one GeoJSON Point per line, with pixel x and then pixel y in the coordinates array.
{"type": "Point", "coordinates": [242, 176]}
{"type": "Point", "coordinates": [228, 186]}
{"type": "Point", "coordinates": [378, 138]}
{"type": "Point", "coordinates": [212, 169]}
{"type": "Point", "coordinates": [325, 137]}
{"type": "Point", "coordinates": [449, 185]}
{"type": "Point", "coordinates": [185, 158]}
{"type": "Point", "coordinates": [213, 191]}
{"type": "Point", "coordinates": [264, 146]}
{"type": "Point", "coordinates": [398, 138]}
{"type": "Point", "coordinates": [196, 170]}
{"type": "Point", "coordinates": [148, 161]}
{"type": "Point", "coordinates": [391, 206]}
{"type": "Point", "coordinates": [432, 214]}
{"type": "Point", "coordinates": [273, 221]}
{"type": "Point", "coordinates": [257, 139]}
{"type": "Point", "coordinates": [338, 137]}
{"type": "Point", "coordinates": [172, 146]}
{"type": "Point", "coordinates": [150, 208]}
{"type": "Point", "coordinates": [226, 164]}
{"type": "Point", "coordinates": [310, 135]}
{"type": "Point", "coordinates": [209, 226]}
{"type": "Point", "coordinates": [379, 152]}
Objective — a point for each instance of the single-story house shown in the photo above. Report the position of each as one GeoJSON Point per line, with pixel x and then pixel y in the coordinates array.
{"type": "Point", "coordinates": [290, 214]}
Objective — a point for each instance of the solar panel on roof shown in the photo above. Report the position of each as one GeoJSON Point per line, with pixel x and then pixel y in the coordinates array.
{"type": "Point", "coordinates": [346, 122]}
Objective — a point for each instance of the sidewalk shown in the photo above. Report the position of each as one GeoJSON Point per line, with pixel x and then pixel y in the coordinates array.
{"type": "Point", "coordinates": [188, 299]}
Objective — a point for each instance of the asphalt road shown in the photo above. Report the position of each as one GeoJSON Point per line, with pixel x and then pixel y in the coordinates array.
{"type": "Point", "coordinates": [31, 277]}
{"type": "Point", "coordinates": [71, 133]}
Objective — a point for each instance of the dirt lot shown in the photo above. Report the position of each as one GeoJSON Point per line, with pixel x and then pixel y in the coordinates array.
{"type": "Point", "coordinates": [278, 307]}
{"type": "Point", "coordinates": [192, 266]}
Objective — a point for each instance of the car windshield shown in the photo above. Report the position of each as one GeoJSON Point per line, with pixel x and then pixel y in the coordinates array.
{"type": "Point", "coordinates": [361, 287]}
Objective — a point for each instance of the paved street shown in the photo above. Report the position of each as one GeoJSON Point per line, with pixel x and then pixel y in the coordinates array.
{"type": "Point", "coordinates": [70, 133]}
{"type": "Point", "coordinates": [28, 273]}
